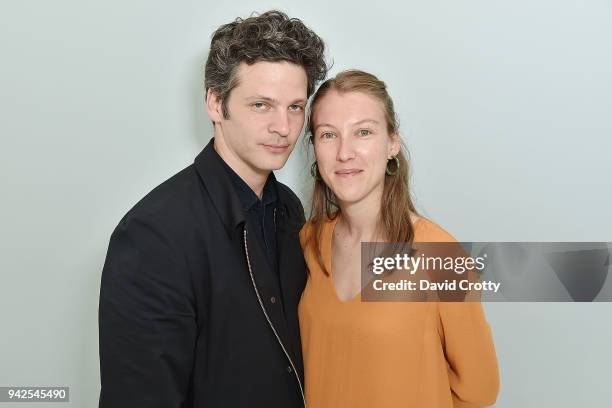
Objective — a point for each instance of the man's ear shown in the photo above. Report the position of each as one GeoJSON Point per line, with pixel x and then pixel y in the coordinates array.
{"type": "Point", "coordinates": [395, 145]}
{"type": "Point", "coordinates": [214, 106]}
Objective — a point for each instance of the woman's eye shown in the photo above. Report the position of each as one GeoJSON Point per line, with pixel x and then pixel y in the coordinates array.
{"type": "Point", "coordinates": [327, 135]}
{"type": "Point", "coordinates": [364, 132]}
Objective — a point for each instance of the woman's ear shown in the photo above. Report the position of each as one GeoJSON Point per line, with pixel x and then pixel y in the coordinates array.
{"type": "Point", "coordinates": [214, 106]}
{"type": "Point", "coordinates": [395, 145]}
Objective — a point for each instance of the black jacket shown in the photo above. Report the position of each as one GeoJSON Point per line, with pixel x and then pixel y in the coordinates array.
{"type": "Point", "coordinates": [187, 317]}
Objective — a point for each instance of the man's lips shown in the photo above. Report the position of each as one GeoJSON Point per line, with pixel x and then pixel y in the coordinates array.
{"type": "Point", "coordinates": [276, 148]}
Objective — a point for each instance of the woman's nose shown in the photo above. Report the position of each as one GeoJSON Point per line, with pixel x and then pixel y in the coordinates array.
{"type": "Point", "coordinates": [345, 149]}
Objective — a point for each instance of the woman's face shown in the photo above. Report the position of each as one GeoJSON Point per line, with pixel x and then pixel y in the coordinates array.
{"type": "Point", "coordinates": [352, 145]}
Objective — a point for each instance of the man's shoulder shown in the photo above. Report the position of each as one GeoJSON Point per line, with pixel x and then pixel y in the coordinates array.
{"type": "Point", "coordinates": [292, 201]}
{"type": "Point", "coordinates": [288, 196]}
{"type": "Point", "coordinates": [170, 202]}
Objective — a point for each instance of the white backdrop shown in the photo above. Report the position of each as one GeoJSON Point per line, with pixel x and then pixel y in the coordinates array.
{"type": "Point", "coordinates": [505, 106]}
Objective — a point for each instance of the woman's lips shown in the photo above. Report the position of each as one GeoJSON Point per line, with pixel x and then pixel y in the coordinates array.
{"type": "Point", "coordinates": [348, 173]}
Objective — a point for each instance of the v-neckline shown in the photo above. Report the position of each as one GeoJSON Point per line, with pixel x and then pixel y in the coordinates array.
{"type": "Point", "coordinates": [330, 248]}
{"type": "Point", "coordinates": [330, 266]}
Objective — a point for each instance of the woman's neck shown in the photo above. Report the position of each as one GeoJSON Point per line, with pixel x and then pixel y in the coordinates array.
{"type": "Point", "coordinates": [360, 221]}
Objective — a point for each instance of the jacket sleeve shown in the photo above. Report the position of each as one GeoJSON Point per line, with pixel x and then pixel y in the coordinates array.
{"type": "Point", "coordinates": [470, 353]}
{"type": "Point", "coordinates": [147, 326]}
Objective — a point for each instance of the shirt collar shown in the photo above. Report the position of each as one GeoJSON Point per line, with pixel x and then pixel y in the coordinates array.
{"type": "Point", "coordinates": [246, 195]}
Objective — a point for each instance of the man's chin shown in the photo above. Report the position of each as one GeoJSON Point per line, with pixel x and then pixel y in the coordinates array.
{"type": "Point", "coordinates": [274, 165]}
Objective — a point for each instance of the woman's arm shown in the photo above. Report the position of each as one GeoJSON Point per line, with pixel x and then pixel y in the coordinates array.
{"type": "Point", "coordinates": [468, 346]}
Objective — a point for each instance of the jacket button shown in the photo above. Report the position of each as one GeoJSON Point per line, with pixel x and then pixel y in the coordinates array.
{"type": "Point", "coordinates": [273, 299]}
{"type": "Point", "coordinates": [289, 370]}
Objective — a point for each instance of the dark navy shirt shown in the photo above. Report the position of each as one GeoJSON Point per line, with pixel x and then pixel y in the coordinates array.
{"type": "Point", "coordinates": [259, 212]}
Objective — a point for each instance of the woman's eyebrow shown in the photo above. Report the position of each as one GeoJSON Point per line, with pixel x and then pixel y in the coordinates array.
{"type": "Point", "coordinates": [324, 125]}
{"type": "Point", "coordinates": [359, 122]}
{"type": "Point", "coordinates": [365, 121]}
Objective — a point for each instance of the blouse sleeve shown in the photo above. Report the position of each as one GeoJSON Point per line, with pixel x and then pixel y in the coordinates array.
{"type": "Point", "coordinates": [470, 354]}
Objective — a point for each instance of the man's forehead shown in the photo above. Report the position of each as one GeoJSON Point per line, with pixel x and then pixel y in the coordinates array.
{"type": "Point", "coordinates": [274, 80]}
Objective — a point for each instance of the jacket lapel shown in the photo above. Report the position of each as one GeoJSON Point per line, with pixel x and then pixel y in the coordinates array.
{"type": "Point", "coordinates": [227, 206]}
{"type": "Point", "coordinates": [291, 266]}
{"type": "Point", "coordinates": [219, 187]}
{"type": "Point", "coordinates": [262, 275]}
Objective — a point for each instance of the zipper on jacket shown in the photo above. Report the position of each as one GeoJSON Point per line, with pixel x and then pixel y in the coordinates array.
{"type": "Point", "coordinates": [263, 309]}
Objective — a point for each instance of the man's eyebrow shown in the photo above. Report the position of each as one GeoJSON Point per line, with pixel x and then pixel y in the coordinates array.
{"type": "Point", "coordinates": [273, 101]}
{"type": "Point", "coordinates": [263, 98]}
{"type": "Point", "coordinates": [300, 101]}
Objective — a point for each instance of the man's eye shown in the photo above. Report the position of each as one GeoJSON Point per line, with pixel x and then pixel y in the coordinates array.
{"type": "Point", "coordinates": [296, 108]}
{"type": "Point", "coordinates": [260, 106]}
{"type": "Point", "coordinates": [364, 132]}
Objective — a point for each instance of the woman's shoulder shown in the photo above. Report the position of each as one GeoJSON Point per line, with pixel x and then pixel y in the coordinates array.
{"type": "Point", "coordinates": [309, 228]}
{"type": "Point", "coordinates": [305, 231]}
{"type": "Point", "coordinates": [426, 230]}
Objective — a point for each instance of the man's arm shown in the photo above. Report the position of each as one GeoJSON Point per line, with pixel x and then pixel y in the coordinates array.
{"type": "Point", "coordinates": [146, 319]}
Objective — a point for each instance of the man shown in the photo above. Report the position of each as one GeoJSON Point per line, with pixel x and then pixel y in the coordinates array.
{"type": "Point", "coordinates": [200, 288]}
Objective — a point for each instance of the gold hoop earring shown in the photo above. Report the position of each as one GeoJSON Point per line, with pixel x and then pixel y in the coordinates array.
{"type": "Point", "coordinates": [314, 171]}
{"type": "Point", "coordinates": [397, 166]}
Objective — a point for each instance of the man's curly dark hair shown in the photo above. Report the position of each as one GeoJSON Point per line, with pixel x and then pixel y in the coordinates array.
{"type": "Point", "coordinates": [271, 36]}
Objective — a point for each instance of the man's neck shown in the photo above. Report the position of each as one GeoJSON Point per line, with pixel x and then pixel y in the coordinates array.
{"type": "Point", "coordinates": [255, 180]}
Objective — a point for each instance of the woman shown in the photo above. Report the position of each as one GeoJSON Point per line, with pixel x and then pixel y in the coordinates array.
{"type": "Point", "coordinates": [377, 354]}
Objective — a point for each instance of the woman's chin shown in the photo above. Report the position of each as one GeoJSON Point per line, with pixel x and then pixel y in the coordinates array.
{"type": "Point", "coordinates": [347, 198]}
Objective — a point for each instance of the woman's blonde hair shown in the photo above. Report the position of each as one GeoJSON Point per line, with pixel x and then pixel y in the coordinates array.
{"type": "Point", "coordinates": [396, 204]}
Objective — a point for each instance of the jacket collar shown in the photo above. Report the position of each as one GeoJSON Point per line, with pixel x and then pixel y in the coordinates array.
{"type": "Point", "coordinates": [247, 197]}
{"type": "Point", "coordinates": [210, 167]}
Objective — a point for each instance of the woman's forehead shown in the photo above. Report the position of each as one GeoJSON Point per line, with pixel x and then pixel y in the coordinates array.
{"type": "Point", "coordinates": [353, 107]}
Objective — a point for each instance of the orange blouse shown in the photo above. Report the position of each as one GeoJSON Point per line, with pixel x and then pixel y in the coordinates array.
{"type": "Point", "coordinates": [393, 354]}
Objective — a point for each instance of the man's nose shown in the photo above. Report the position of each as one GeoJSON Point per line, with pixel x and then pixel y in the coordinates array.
{"type": "Point", "coordinates": [280, 124]}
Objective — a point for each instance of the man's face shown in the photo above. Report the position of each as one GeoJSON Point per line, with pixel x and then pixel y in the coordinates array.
{"type": "Point", "coordinates": [266, 116]}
